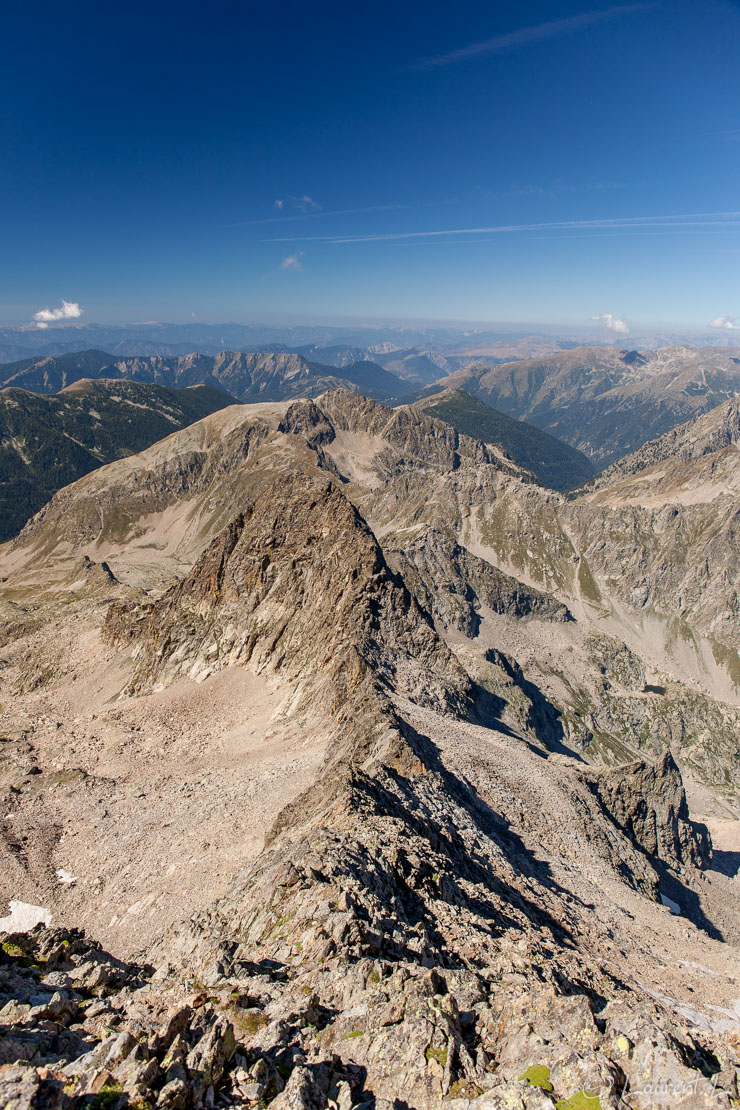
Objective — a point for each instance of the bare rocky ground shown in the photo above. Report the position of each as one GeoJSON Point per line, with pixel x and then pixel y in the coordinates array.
{"type": "Point", "coordinates": [150, 804]}
{"type": "Point", "coordinates": [341, 843]}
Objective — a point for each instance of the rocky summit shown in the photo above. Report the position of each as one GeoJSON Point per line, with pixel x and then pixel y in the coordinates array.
{"type": "Point", "coordinates": [345, 766]}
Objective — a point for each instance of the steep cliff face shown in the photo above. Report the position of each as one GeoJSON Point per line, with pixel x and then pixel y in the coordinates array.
{"type": "Point", "coordinates": [648, 801]}
{"type": "Point", "coordinates": [297, 582]}
{"type": "Point", "coordinates": [677, 561]}
{"type": "Point", "coordinates": [453, 585]}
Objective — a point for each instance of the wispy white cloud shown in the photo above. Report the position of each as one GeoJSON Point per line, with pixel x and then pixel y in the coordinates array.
{"type": "Point", "coordinates": [553, 188]}
{"type": "Point", "coordinates": [68, 310]}
{"type": "Point", "coordinates": [680, 222]}
{"type": "Point", "coordinates": [613, 323]}
{"type": "Point", "coordinates": [293, 262]}
{"type": "Point", "coordinates": [725, 322]}
{"type": "Point", "coordinates": [553, 28]}
{"type": "Point", "coordinates": [304, 203]}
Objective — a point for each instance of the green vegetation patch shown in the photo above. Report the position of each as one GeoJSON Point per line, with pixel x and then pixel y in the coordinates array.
{"type": "Point", "coordinates": [465, 1088]}
{"type": "Point", "coordinates": [438, 1054]}
{"type": "Point", "coordinates": [108, 1094]}
{"type": "Point", "coordinates": [728, 658]}
{"type": "Point", "coordinates": [538, 1075]}
{"type": "Point", "coordinates": [246, 1021]}
{"type": "Point", "coordinates": [581, 1100]}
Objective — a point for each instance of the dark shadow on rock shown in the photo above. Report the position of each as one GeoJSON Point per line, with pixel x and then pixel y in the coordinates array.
{"type": "Point", "coordinates": [727, 863]}
{"type": "Point", "coordinates": [489, 708]}
{"type": "Point", "coordinates": [678, 891]}
{"type": "Point", "coordinates": [545, 720]}
{"type": "Point", "coordinates": [446, 839]}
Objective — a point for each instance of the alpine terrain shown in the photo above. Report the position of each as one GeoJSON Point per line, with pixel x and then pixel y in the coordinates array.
{"type": "Point", "coordinates": [346, 765]}
{"type": "Point", "coordinates": [606, 401]}
{"type": "Point", "coordinates": [247, 376]}
{"type": "Point", "coordinates": [553, 462]}
{"type": "Point", "coordinates": [48, 441]}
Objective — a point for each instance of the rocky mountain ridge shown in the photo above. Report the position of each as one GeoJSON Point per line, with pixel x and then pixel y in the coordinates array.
{"type": "Point", "coordinates": [408, 474]}
{"type": "Point", "coordinates": [553, 462]}
{"type": "Point", "coordinates": [247, 376]}
{"type": "Point", "coordinates": [711, 434]}
{"type": "Point", "coordinates": [461, 897]}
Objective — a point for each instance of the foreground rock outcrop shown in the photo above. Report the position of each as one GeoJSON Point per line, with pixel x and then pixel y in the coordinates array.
{"type": "Point", "coordinates": [332, 990]}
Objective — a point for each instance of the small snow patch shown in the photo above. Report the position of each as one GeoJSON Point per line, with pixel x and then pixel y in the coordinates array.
{"type": "Point", "coordinates": [699, 967]}
{"type": "Point", "coordinates": [23, 917]}
{"type": "Point", "coordinates": [66, 876]}
{"type": "Point", "coordinates": [672, 906]}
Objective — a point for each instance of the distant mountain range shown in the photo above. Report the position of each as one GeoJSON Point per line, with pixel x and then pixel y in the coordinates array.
{"type": "Point", "coordinates": [560, 417]}
{"type": "Point", "coordinates": [48, 442]}
{"type": "Point", "coordinates": [331, 345]}
{"type": "Point", "coordinates": [411, 364]}
{"type": "Point", "coordinates": [606, 401]}
{"type": "Point", "coordinates": [320, 342]}
{"type": "Point", "coordinates": [254, 376]}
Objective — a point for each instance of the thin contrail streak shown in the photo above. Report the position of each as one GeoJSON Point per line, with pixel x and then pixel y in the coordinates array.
{"type": "Point", "coordinates": [690, 219]}
{"type": "Point", "coordinates": [553, 28]}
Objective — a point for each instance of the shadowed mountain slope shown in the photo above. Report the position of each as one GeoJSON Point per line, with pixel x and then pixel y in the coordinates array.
{"type": "Point", "coordinates": [553, 462]}
{"type": "Point", "coordinates": [48, 442]}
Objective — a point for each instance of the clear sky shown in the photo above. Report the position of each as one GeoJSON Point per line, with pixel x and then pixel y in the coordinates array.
{"type": "Point", "coordinates": [541, 162]}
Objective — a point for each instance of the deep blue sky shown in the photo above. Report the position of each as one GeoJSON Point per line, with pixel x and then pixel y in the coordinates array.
{"type": "Point", "coordinates": [145, 147]}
